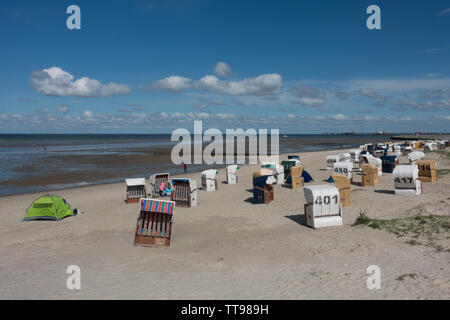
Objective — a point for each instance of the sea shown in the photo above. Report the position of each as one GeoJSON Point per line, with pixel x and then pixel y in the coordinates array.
{"type": "Point", "coordinates": [27, 160]}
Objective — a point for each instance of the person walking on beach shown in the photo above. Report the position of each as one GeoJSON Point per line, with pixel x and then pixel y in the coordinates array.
{"type": "Point", "coordinates": [185, 167]}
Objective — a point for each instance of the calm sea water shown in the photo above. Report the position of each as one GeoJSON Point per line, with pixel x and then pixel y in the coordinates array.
{"type": "Point", "coordinates": [26, 155]}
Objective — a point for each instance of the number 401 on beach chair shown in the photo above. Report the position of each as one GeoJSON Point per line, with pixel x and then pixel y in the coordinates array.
{"type": "Point", "coordinates": [154, 225]}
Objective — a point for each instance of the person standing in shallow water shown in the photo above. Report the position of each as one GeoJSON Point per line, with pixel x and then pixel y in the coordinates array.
{"type": "Point", "coordinates": [185, 167]}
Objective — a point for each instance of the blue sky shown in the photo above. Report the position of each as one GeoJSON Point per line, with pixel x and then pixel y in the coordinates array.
{"type": "Point", "coordinates": [153, 66]}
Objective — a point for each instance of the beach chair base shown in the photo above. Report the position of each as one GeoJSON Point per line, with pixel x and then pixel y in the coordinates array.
{"type": "Point", "coordinates": [132, 200]}
{"type": "Point", "coordinates": [148, 241]}
{"type": "Point", "coordinates": [321, 222]}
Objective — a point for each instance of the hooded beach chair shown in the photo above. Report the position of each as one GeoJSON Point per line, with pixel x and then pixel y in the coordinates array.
{"type": "Point", "coordinates": [263, 189]}
{"type": "Point", "coordinates": [154, 223]}
{"type": "Point", "coordinates": [232, 177]}
{"type": "Point", "coordinates": [209, 180]}
{"type": "Point", "coordinates": [344, 168]}
{"type": "Point", "coordinates": [345, 157]}
{"type": "Point", "coordinates": [184, 192]}
{"type": "Point", "coordinates": [427, 170]}
{"type": "Point", "coordinates": [294, 157]}
{"type": "Point", "coordinates": [323, 206]}
{"type": "Point", "coordinates": [388, 163]}
{"type": "Point", "coordinates": [155, 181]}
{"type": "Point", "coordinates": [342, 182]}
{"type": "Point", "coordinates": [135, 189]}
{"type": "Point", "coordinates": [287, 165]}
{"type": "Point", "coordinates": [332, 159]}
{"type": "Point", "coordinates": [277, 170]}
{"type": "Point", "coordinates": [370, 175]}
{"type": "Point", "coordinates": [406, 180]}
{"type": "Point", "coordinates": [415, 156]}
{"type": "Point", "coordinates": [369, 159]}
{"type": "Point", "coordinates": [296, 177]}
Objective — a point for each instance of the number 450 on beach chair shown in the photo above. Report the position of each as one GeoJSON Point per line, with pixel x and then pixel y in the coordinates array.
{"type": "Point", "coordinates": [154, 224]}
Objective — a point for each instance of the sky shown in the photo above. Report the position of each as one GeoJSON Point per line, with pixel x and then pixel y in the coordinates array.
{"type": "Point", "coordinates": [140, 66]}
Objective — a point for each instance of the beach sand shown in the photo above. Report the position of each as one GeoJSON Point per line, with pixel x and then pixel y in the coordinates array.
{"type": "Point", "coordinates": [226, 247]}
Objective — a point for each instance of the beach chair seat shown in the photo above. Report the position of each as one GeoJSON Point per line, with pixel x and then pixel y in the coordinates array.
{"type": "Point", "coordinates": [342, 182]}
{"type": "Point", "coordinates": [388, 163]}
{"type": "Point", "coordinates": [135, 189]}
{"type": "Point", "coordinates": [184, 192]}
{"type": "Point", "coordinates": [427, 170]}
{"type": "Point", "coordinates": [263, 189]}
{"type": "Point", "coordinates": [232, 177]}
{"type": "Point", "coordinates": [370, 175]}
{"type": "Point", "coordinates": [406, 180]}
{"type": "Point", "coordinates": [155, 181]}
{"type": "Point", "coordinates": [323, 206]}
{"type": "Point", "coordinates": [209, 181]}
{"type": "Point", "coordinates": [154, 223]}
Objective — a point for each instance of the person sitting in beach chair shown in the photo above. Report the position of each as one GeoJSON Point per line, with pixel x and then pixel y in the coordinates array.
{"type": "Point", "coordinates": [162, 187]}
{"type": "Point", "coordinates": [168, 190]}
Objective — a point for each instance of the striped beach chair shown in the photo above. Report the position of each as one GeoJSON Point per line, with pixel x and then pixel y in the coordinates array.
{"type": "Point", "coordinates": [154, 224]}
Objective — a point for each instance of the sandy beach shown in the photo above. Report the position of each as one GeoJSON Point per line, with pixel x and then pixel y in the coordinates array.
{"type": "Point", "coordinates": [229, 248]}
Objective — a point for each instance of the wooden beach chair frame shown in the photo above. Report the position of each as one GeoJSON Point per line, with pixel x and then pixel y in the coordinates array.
{"type": "Point", "coordinates": [370, 175]}
{"type": "Point", "coordinates": [296, 177]}
{"type": "Point", "coordinates": [343, 184]}
{"type": "Point", "coordinates": [427, 170]}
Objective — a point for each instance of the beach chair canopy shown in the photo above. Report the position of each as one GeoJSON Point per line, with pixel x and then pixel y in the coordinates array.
{"type": "Point", "coordinates": [416, 155]}
{"type": "Point", "coordinates": [49, 207]}
{"type": "Point", "coordinates": [135, 182]}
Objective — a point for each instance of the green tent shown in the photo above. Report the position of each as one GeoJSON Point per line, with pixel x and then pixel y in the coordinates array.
{"type": "Point", "coordinates": [49, 207]}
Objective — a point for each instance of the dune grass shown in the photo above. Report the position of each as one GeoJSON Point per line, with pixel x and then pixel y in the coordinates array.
{"type": "Point", "coordinates": [418, 230]}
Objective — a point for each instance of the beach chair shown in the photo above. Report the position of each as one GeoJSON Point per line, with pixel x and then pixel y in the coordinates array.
{"type": "Point", "coordinates": [331, 160]}
{"type": "Point", "coordinates": [232, 177]}
{"type": "Point", "coordinates": [342, 182]}
{"type": "Point", "coordinates": [344, 168]}
{"type": "Point", "coordinates": [427, 170]}
{"type": "Point", "coordinates": [296, 177]}
{"type": "Point", "coordinates": [294, 157]}
{"type": "Point", "coordinates": [209, 181]}
{"type": "Point", "coordinates": [369, 159]}
{"type": "Point", "coordinates": [287, 165]}
{"type": "Point", "coordinates": [406, 180]}
{"type": "Point", "coordinates": [388, 163]}
{"type": "Point", "coordinates": [323, 206]}
{"type": "Point", "coordinates": [155, 181]}
{"type": "Point", "coordinates": [370, 175]}
{"type": "Point", "coordinates": [277, 170]}
{"type": "Point", "coordinates": [415, 156]}
{"type": "Point", "coordinates": [354, 154]}
{"type": "Point", "coordinates": [345, 157]}
{"type": "Point", "coordinates": [154, 224]}
{"type": "Point", "coordinates": [263, 189]}
{"type": "Point", "coordinates": [135, 189]}
{"type": "Point", "coordinates": [184, 192]}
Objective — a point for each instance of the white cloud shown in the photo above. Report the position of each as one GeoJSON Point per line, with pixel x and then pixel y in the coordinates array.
{"type": "Point", "coordinates": [88, 114]}
{"type": "Point", "coordinates": [222, 70]}
{"type": "Point", "coordinates": [172, 83]}
{"type": "Point", "coordinates": [444, 12]}
{"type": "Point", "coordinates": [309, 96]}
{"type": "Point", "coordinates": [55, 81]}
{"type": "Point", "coordinates": [63, 108]}
{"type": "Point", "coordinates": [261, 85]}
